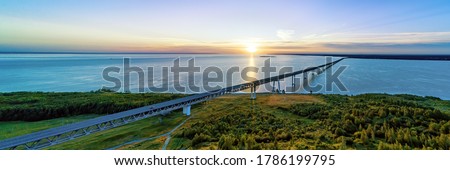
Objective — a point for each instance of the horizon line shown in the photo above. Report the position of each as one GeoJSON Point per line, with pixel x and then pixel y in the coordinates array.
{"type": "Point", "coordinates": [105, 53]}
{"type": "Point", "coordinates": [315, 54]}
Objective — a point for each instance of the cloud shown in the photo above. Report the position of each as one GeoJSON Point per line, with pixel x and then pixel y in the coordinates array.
{"type": "Point", "coordinates": [401, 38]}
{"type": "Point", "coordinates": [388, 48]}
{"type": "Point", "coordinates": [285, 35]}
{"type": "Point", "coordinates": [376, 43]}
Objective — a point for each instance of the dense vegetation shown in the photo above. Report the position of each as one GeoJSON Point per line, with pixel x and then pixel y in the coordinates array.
{"type": "Point", "coordinates": [369, 121]}
{"type": "Point", "coordinates": [35, 106]}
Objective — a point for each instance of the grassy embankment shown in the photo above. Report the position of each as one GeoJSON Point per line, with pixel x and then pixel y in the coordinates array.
{"type": "Point", "coordinates": [372, 121]}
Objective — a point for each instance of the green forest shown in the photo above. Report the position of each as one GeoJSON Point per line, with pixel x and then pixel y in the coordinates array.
{"type": "Point", "coordinates": [368, 121]}
{"type": "Point", "coordinates": [36, 106]}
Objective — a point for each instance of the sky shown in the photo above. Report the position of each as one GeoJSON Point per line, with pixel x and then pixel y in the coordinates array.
{"type": "Point", "coordinates": [227, 26]}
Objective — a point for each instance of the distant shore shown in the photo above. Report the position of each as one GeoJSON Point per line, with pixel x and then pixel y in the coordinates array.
{"type": "Point", "coordinates": [386, 56]}
{"type": "Point", "coordinates": [104, 53]}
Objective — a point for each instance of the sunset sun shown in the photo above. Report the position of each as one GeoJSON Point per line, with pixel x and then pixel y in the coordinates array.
{"type": "Point", "coordinates": [251, 48]}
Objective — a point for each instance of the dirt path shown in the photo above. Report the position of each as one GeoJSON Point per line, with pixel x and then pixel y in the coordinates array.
{"type": "Point", "coordinates": [152, 138]}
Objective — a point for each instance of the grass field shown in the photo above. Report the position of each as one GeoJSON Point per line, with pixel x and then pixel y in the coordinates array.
{"type": "Point", "coordinates": [114, 137]}
{"type": "Point", "coordinates": [16, 128]}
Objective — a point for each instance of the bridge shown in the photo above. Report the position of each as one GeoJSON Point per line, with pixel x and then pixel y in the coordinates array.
{"type": "Point", "coordinates": [53, 136]}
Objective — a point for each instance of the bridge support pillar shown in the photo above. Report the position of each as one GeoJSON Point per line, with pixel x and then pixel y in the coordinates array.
{"type": "Point", "coordinates": [293, 83]}
{"type": "Point", "coordinates": [187, 110]}
{"type": "Point", "coordinates": [279, 87]}
{"type": "Point", "coordinates": [305, 78]}
{"type": "Point", "coordinates": [273, 87]}
{"type": "Point", "coordinates": [253, 93]}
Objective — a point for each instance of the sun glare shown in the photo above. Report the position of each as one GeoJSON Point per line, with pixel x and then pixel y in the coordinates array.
{"type": "Point", "coordinates": [251, 48]}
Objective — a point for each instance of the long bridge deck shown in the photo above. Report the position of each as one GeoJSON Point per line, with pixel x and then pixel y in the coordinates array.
{"type": "Point", "coordinates": [68, 132]}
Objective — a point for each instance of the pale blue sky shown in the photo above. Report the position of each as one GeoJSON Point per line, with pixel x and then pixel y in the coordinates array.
{"type": "Point", "coordinates": [342, 26]}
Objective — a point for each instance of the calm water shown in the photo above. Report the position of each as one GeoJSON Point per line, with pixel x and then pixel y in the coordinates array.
{"type": "Point", "coordinates": [83, 72]}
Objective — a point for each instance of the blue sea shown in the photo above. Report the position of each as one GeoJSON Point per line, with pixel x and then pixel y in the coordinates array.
{"type": "Point", "coordinates": [84, 72]}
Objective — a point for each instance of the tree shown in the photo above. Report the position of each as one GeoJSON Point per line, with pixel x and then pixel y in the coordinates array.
{"type": "Point", "coordinates": [364, 138]}
{"type": "Point", "coordinates": [226, 142]}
